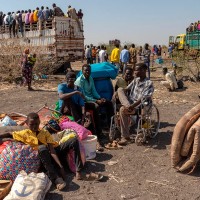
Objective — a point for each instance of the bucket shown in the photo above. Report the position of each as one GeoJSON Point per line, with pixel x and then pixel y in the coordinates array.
{"type": "Point", "coordinates": [90, 146]}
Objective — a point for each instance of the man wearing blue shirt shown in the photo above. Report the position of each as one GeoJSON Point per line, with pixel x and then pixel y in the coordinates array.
{"type": "Point", "coordinates": [124, 58]}
{"type": "Point", "coordinates": [41, 18]}
{"type": "Point", "coordinates": [71, 99]}
{"type": "Point", "coordinates": [93, 99]}
{"type": "Point", "coordinates": [46, 13]}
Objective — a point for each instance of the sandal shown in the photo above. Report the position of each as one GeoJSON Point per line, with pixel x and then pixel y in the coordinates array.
{"type": "Point", "coordinates": [60, 184]}
{"type": "Point", "coordinates": [93, 177]}
{"type": "Point", "coordinates": [114, 145]}
{"type": "Point", "coordinates": [125, 141]}
{"type": "Point", "coordinates": [87, 120]}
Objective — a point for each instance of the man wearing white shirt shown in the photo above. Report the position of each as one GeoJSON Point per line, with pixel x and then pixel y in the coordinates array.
{"type": "Point", "coordinates": [102, 54]}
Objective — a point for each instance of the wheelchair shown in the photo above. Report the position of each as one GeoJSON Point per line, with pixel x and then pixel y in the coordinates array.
{"type": "Point", "coordinates": [146, 120]}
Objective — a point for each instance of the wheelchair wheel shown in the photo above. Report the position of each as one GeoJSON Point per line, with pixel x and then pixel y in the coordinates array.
{"type": "Point", "coordinates": [153, 121]}
{"type": "Point", "coordinates": [114, 128]}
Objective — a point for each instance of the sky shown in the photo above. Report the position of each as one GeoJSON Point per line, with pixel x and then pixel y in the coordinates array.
{"type": "Point", "coordinates": [130, 21]}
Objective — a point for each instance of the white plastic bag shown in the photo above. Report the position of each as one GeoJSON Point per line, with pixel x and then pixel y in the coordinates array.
{"type": "Point", "coordinates": [33, 186]}
{"type": "Point", "coordinates": [7, 121]}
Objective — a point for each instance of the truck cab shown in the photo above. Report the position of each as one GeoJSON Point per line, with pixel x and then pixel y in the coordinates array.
{"type": "Point", "coordinates": [178, 41]}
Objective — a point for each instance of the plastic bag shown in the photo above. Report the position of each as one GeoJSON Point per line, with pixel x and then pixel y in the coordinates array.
{"type": "Point", "coordinates": [7, 121]}
{"type": "Point", "coordinates": [29, 187]}
{"type": "Point", "coordinates": [81, 131]}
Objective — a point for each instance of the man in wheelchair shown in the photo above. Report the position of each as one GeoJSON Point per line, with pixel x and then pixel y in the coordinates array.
{"type": "Point", "coordinates": [131, 98]}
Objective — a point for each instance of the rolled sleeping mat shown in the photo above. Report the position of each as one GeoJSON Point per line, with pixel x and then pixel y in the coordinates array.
{"type": "Point", "coordinates": [192, 138]}
{"type": "Point", "coordinates": [180, 131]}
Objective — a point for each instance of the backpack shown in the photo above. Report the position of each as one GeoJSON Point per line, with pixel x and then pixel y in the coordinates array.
{"type": "Point", "coordinates": [180, 84]}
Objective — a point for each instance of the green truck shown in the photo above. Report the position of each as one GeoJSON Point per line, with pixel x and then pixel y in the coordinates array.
{"type": "Point", "coordinates": [190, 40]}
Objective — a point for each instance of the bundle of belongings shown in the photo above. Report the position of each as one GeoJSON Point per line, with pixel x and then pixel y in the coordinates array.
{"type": "Point", "coordinates": [20, 163]}
{"type": "Point", "coordinates": [185, 145]}
{"type": "Point", "coordinates": [29, 186]}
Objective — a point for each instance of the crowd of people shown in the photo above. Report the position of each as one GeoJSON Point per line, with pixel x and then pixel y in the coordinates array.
{"type": "Point", "coordinates": [157, 50]}
{"type": "Point", "coordinates": [193, 27]}
{"type": "Point", "coordinates": [79, 98]}
{"type": "Point", "coordinates": [16, 21]}
{"type": "Point", "coordinates": [79, 95]}
{"type": "Point", "coordinates": [120, 58]}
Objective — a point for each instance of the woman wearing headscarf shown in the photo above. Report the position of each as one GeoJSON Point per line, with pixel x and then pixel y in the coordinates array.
{"type": "Point", "coordinates": [26, 69]}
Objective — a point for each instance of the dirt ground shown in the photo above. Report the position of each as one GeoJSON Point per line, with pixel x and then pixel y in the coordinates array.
{"type": "Point", "coordinates": [140, 172]}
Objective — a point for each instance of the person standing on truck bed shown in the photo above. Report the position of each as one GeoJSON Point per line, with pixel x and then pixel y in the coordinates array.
{"type": "Point", "coordinates": [80, 14]}
{"type": "Point", "coordinates": [23, 16]}
{"type": "Point", "coordinates": [19, 20]}
{"type": "Point", "coordinates": [41, 19]}
{"type": "Point", "coordinates": [27, 22]}
{"type": "Point", "coordinates": [14, 23]}
{"type": "Point", "coordinates": [9, 21]}
{"type": "Point", "coordinates": [57, 11]}
{"type": "Point", "coordinates": [46, 13]}
{"type": "Point", "coordinates": [72, 14]}
{"type": "Point", "coordinates": [31, 20]}
{"type": "Point", "coordinates": [35, 15]}
{"type": "Point", "coordinates": [1, 18]}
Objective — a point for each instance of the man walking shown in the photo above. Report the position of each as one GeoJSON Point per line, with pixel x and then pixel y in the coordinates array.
{"type": "Point", "coordinates": [115, 56]}
{"type": "Point", "coordinates": [146, 57]}
{"type": "Point", "coordinates": [133, 56]}
{"type": "Point", "coordinates": [124, 58]}
{"type": "Point", "coordinates": [102, 54]}
{"type": "Point", "coordinates": [88, 55]}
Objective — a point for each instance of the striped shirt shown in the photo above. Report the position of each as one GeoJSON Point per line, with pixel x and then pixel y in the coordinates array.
{"type": "Point", "coordinates": [139, 90]}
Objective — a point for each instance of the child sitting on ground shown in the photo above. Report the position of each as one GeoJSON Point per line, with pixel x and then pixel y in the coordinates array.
{"type": "Point", "coordinates": [52, 155]}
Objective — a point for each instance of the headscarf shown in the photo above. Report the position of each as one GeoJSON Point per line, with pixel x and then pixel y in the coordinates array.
{"type": "Point", "coordinates": [26, 51]}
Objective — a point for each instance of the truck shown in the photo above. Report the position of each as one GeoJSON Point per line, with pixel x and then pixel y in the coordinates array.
{"type": "Point", "coordinates": [188, 40]}
{"type": "Point", "coordinates": [60, 42]}
{"type": "Point", "coordinates": [186, 54]}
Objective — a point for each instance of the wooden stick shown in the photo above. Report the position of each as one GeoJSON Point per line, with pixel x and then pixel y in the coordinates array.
{"type": "Point", "coordinates": [163, 184]}
{"type": "Point", "coordinates": [53, 110]}
{"type": "Point", "coordinates": [16, 113]}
